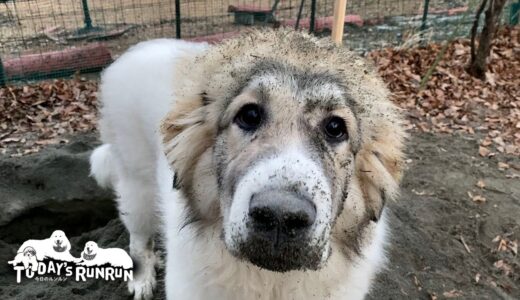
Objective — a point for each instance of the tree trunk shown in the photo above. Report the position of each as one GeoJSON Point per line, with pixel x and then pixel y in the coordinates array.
{"type": "Point", "coordinates": [478, 66]}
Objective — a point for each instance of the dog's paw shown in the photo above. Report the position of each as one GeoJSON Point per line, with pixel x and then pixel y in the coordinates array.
{"type": "Point", "coordinates": [144, 280]}
{"type": "Point", "coordinates": [142, 287]}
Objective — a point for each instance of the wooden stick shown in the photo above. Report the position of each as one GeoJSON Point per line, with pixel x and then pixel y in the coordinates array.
{"type": "Point", "coordinates": [340, 6]}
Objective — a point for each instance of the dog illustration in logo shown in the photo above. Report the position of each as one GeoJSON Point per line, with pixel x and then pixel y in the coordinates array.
{"type": "Point", "coordinates": [27, 257]}
{"type": "Point", "coordinates": [56, 247]}
{"type": "Point", "coordinates": [92, 255]}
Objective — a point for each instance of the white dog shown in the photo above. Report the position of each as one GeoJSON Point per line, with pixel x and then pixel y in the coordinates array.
{"type": "Point", "coordinates": [56, 247]}
{"type": "Point", "coordinates": [92, 255]}
{"type": "Point", "coordinates": [27, 257]}
{"type": "Point", "coordinates": [269, 159]}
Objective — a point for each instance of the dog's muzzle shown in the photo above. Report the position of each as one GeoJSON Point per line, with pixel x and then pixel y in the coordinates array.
{"type": "Point", "coordinates": [88, 256]}
{"type": "Point", "coordinates": [279, 231]}
{"type": "Point", "coordinates": [58, 247]}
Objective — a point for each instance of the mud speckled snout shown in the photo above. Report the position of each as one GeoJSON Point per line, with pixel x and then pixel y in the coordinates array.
{"type": "Point", "coordinates": [280, 225]}
{"type": "Point", "coordinates": [280, 217]}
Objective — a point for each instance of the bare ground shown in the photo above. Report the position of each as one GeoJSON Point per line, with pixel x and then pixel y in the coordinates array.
{"type": "Point", "coordinates": [442, 241]}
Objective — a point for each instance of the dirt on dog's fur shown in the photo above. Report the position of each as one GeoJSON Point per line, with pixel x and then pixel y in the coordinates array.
{"type": "Point", "coordinates": [442, 241]}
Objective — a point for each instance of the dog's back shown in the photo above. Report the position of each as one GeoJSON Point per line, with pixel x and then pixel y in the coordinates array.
{"type": "Point", "coordinates": [135, 93]}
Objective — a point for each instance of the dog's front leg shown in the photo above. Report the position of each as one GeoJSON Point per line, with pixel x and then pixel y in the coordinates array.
{"type": "Point", "coordinates": [137, 210]}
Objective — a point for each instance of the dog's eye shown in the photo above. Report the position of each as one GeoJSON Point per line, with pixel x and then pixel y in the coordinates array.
{"type": "Point", "coordinates": [335, 129]}
{"type": "Point", "coordinates": [249, 117]}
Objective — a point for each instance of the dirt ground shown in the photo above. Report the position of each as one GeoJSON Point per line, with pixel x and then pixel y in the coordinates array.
{"type": "Point", "coordinates": [443, 244]}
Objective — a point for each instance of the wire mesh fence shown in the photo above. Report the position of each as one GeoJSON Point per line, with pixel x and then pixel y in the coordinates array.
{"type": "Point", "coordinates": [42, 38]}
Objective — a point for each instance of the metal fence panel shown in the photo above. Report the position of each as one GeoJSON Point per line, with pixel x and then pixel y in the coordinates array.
{"type": "Point", "coordinates": [43, 38]}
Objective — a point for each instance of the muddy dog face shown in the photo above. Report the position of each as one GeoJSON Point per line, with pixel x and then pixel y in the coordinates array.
{"type": "Point", "coordinates": [273, 149]}
{"type": "Point", "coordinates": [283, 154]}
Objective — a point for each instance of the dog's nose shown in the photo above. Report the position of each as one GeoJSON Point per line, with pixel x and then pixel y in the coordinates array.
{"type": "Point", "coordinates": [279, 214]}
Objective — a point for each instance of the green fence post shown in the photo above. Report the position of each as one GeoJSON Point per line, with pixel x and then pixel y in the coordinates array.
{"type": "Point", "coordinates": [178, 19]}
{"type": "Point", "coordinates": [86, 15]}
{"type": "Point", "coordinates": [299, 15]}
{"type": "Point", "coordinates": [312, 25]}
{"type": "Point", "coordinates": [2, 74]}
{"type": "Point", "coordinates": [424, 19]}
{"type": "Point", "coordinates": [425, 14]}
{"type": "Point", "coordinates": [514, 10]}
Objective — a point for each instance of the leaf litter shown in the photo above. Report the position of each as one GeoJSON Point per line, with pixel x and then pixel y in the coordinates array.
{"type": "Point", "coordinates": [44, 113]}
{"type": "Point", "coordinates": [40, 114]}
{"type": "Point", "coordinates": [454, 101]}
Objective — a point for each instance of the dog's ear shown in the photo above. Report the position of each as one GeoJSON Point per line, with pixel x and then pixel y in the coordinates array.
{"type": "Point", "coordinates": [187, 132]}
{"type": "Point", "coordinates": [379, 165]}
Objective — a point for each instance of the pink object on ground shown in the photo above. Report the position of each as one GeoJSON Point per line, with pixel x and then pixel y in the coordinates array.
{"type": "Point", "coordinates": [449, 12]}
{"type": "Point", "coordinates": [92, 56]}
{"type": "Point", "coordinates": [457, 10]}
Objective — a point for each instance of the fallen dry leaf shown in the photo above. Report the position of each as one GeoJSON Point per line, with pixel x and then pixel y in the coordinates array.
{"type": "Point", "coordinates": [417, 283]}
{"type": "Point", "coordinates": [10, 140]}
{"type": "Point", "coordinates": [503, 166]}
{"type": "Point", "coordinates": [512, 176]}
{"type": "Point", "coordinates": [513, 246]}
{"type": "Point", "coordinates": [453, 294]}
{"type": "Point", "coordinates": [505, 244]}
{"type": "Point", "coordinates": [483, 151]}
{"type": "Point", "coordinates": [502, 245]}
{"type": "Point", "coordinates": [503, 266]}
{"type": "Point", "coordinates": [481, 184]}
{"type": "Point", "coordinates": [477, 198]}
{"type": "Point", "coordinates": [496, 239]}
{"type": "Point", "coordinates": [422, 193]}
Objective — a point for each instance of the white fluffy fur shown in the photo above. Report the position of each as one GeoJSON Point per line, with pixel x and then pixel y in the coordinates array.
{"type": "Point", "coordinates": [101, 166]}
{"type": "Point", "coordinates": [137, 91]}
{"type": "Point", "coordinates": [195, 270]}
